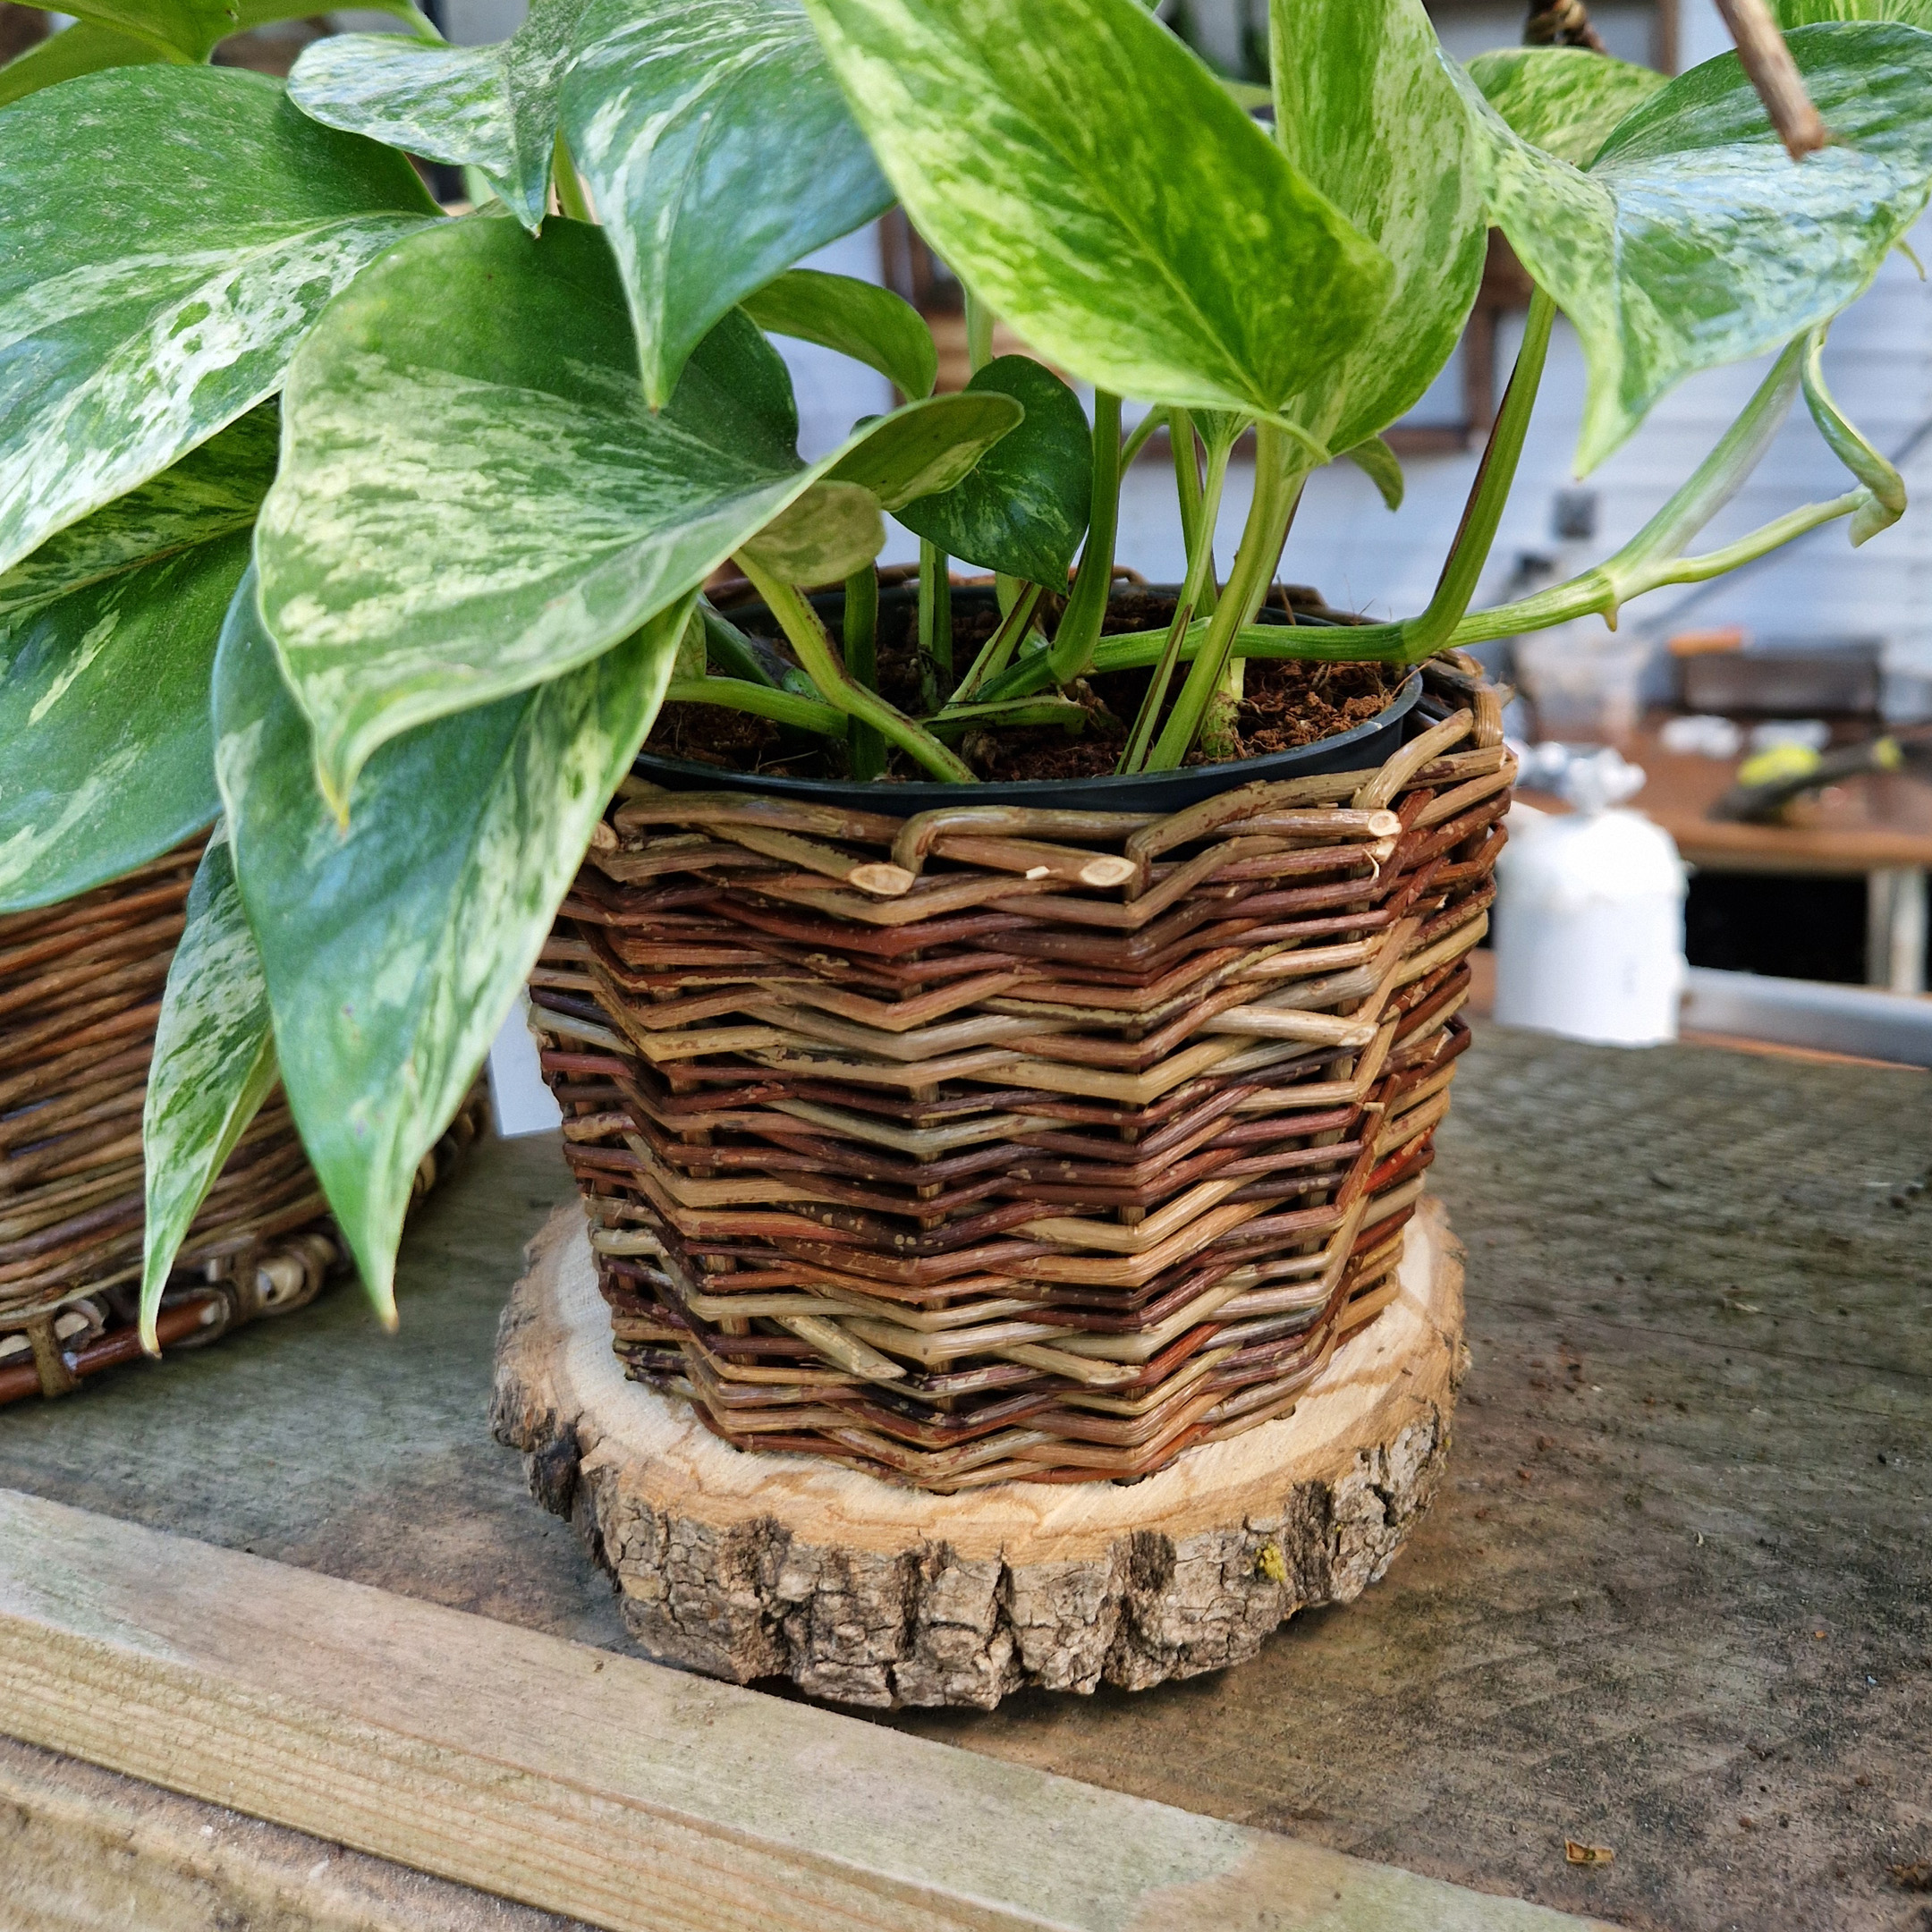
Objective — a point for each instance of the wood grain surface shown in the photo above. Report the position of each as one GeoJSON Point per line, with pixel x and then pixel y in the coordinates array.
{"type": "Point", "coordinates": [611, 1790]}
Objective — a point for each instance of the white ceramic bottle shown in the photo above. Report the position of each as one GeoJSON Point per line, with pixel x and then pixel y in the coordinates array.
{"type": "Point", "coordinates": [1589, 915]}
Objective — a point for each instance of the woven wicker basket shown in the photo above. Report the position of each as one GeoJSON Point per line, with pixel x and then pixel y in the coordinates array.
{"type": "Point", "coordinates": [996, 1144]}
{"type": "Point", "coordinates": [80, 989]}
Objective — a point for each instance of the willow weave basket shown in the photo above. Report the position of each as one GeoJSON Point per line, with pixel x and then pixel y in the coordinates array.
{"type": "Point", "coordinates": [1001, 1143]}
{"type": "Point", "coordinates": [80, 988]}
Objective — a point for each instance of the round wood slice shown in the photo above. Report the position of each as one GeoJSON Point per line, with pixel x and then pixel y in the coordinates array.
{"type": "Point", "coordinates": [744, 1566]}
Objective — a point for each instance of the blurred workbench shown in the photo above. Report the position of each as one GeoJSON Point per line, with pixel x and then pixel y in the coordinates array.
{"type": "Point", "coordinates": [1877, 825]}
{"type": "Point", "coordinates": [1672, 1599]}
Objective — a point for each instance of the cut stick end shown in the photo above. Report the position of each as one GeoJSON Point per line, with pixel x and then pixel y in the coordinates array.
{"type": "Point", "coordinates": [882, 880]}
{"type": "Point", "coordinates": [1108, 869]}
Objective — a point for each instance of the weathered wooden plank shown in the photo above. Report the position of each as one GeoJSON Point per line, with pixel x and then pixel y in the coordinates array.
{"type": "Point", "coordinates": [597, 1786]}
{"type": "Point", "coordinates": [89, 1851]}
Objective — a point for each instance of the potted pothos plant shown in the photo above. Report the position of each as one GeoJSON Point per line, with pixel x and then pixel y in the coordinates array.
{"type": "Point", "coordinates": [382, 532]}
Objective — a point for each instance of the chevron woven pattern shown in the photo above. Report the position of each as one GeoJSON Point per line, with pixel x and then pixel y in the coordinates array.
{"type": "Point", "coordinates": [1004, 1143]}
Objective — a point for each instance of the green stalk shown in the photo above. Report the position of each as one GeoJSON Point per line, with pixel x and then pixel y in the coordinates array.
{"type": "Point", "coordinates": [1280, 469]}
{"type": "Point", "coordinates": [1187, 478]}
{"type": "Point", "coordinates": [1142, 431]}
{"type": "Point", "coordinates": [998, 650]}
{"type": "Point", "coordinates": [571, 201]}
{"type": "Point", "coordinates": [979, 332]}
{"type": "Point", "coordinates": [1197, 588]}
{"type": "Point", "coordinates": [727, 645]}
{"type": "Point", "coordinates": [782, 707]}
{"type": "Point", "coordinates": [1654, 556]}
{"type": "Point", "coordinates": [1014, 712]}
{"type": "Point", "coordinates": [1079, 624]}
{"type": "Point", "coordinates": [935, 623]}
{"type": "Point", "coordinates": [1470, 553]}
{"type": "Point", "coordinates": [808, 637]}
{"type": "Point", "coordinates": [1604, 590]}
{"type": "Point", "coordinates": [864, 747]}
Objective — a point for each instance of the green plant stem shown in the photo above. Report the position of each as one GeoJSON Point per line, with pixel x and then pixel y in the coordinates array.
{"type": "Point", "coordinates": [864, 748]}
{"type": "Point", "coordinates": [997, 650]}
{"type": "Point", "coordinates": [571, 201]}
{"type": "Point", "coordinates": [727, 645]}
{"type": "Point", "coordinates": [1469, 554]}
{"type": "Point", "coordinates": [1011, 712]}
{"type": "Point", "coordinates": [1197, 586]}
{"type": "Point", "coordinates": [979, 332]}
{"type": "Point", "coordinates": [782, 707]}
{"type": "Point", "coordinates": [1080, 624]}
{"type": "Point", "coordinates": [1142, 431]}
{"type": "Point", "coordinates": [1604, 590]}
{"type": "Point", "coordinates": [935, 623]}
{"type": "Point", "coordinates": [1597, 592]}
{"type": "Point", "coordinates": [1280, 469]}
{"type": "Point", "coordinates": [808, 637]}
{"type": "Point", "coordinates": [1187, 478]}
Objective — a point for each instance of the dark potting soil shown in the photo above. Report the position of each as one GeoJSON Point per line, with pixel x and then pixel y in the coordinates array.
{"type": "Point", "coordinates": [1284, 704]}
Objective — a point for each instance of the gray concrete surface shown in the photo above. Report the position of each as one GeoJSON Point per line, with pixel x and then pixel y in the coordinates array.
{"type": "Point", "coordinates": [1674, 1600]}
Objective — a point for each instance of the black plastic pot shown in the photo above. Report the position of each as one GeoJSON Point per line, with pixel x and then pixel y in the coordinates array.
{"type": "Point", "coordinates": [1361, 748]}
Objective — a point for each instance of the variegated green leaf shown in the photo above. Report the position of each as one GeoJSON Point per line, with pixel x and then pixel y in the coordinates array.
{"type": "Point", "coordinates": [1366, 113]}
{"type": "Point", "coordinates": [1693, 239]}
{"type": "Point", "coordinates": [924, 447]}
{"type": "Point", "coordinates": [106, 638]}
{"type": "Point", "coordinates": [832, 530]}
{"type": "Point", "coordinates": [1790, 13]}
{"type": "Point", "coordinates": [214, 1064]}
{"type": "Point", "coordinates": [1564, 99]}
{"type": "Point", "coordinates": [191, 29]}
{"type": "Point", "coordinates": [171, 232]}
{"type": "Point", "coordinates": [393, 951]}
{"type": "Point", "coordinates": [212, 492]}
{"type": "Point", "coordinates": [1023, 509]}
{"type": "Point", "coordinates": [1097, 188]}
{"type": "Point", "coordinates": [85, 47]}
{"type": "Point", "coordinates": [474, 496]}
{"type": "Point", "coordinates": [857, 318]}
{"type": "Point", "coordinates": [835, 527]}
{"type": "Point", "coordinates": [717, 150]}
{"type": "Point", "coordinates": [1382, 468]}
{"type": "Point", "coordinates": [491, 108]}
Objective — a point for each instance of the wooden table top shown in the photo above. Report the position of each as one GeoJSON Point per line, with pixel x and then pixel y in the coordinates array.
{"type": "Point", "coordinates": [1670, 1599]}
{"type": "Point", "coordinates": [1880, 819]}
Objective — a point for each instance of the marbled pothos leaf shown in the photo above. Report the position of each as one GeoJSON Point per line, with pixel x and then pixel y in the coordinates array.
{"type": "Point", "coordinates": [835, 527]}
{"type": "Point", "coordinates": [191, 29]}
{"type": "Point", "coordinates": [1564, 99]}
{"type": "Point", "coordinates": [474, 496]}
{"type": "Point", "coordinates": [857, 318]}
{"type": "Point", "coordinates": [491, 108]}
{"type": "Point", "coordinates": [1023, 509]}
{"type": "Point", "coordinates": [85, 47]}
{"type": "Point", "coordinates": [1693, 239]}
{"type": "Point", "coordinates": [1367, 114]}
{"type": "Point", "coordinates": [393, 951]}
{"type": "Point", "coordinates": [718, 151]}
{"type": "Point", "coordinates": [1790, 13]}
{"type": "Point", "coordinates": [171, 232]}
{"type": "Point", "coordinates": [1096, 185]}
{"type": "Point", "coordinates": [106, 639]}
{"type": "Point", "coordinates": [213, 1065]}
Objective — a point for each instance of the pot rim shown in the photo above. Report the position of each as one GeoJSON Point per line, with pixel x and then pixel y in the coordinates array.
{"type": "Point", "coordinates": [1157, 792]}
